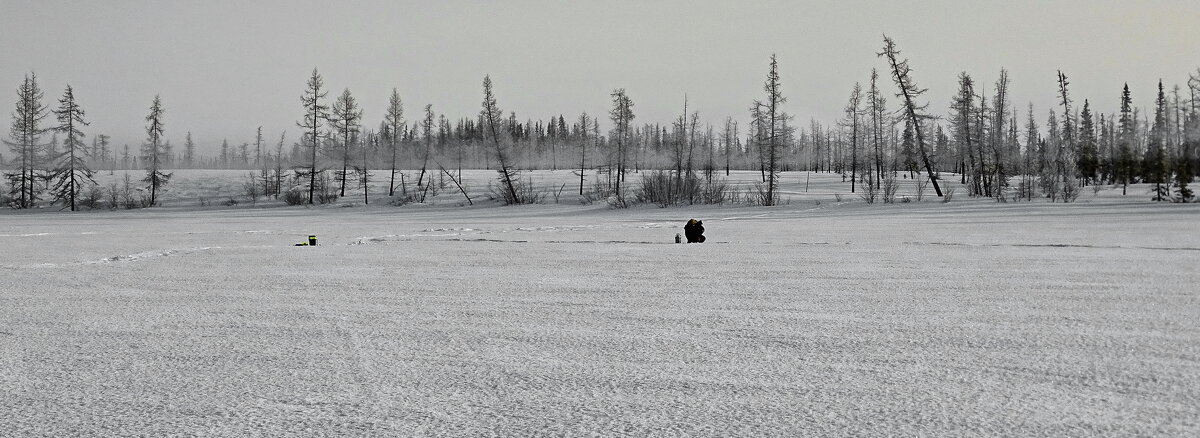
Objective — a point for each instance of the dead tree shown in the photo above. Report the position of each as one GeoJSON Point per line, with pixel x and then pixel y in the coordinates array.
{"type": "Point", "coordinates": [852, 114]}
{"type": "Point", "coordinates": [72, 172]}
{"type": "Point", "coordinates": [394, 120]}
{"type": "Point", "coordinates": [771, 129]}
{"type": "Point", "coordinates": [901, 74]}
{"type": "Point", "coordinates": [153, 152]}
{"type": "Point", "coordinates": [492, 117]}
{"type": "Point", "coordinates": [315, 115]}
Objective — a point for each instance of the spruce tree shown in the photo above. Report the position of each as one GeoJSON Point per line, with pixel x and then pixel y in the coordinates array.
{"type": "Point", "coordinates": [1128, 127]}
{"type": "Point", "coordinates": [1157, 168]}
{"type": "Point", "coordinates": [1087, 162]}
{"type": "Point", "coordinates": [189, 151]}
{"type": "Point", "coordinates": [906, 150]}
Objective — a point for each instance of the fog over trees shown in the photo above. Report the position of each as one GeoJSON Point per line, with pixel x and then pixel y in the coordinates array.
{"type": "Point", "coordinates": [976, 140]}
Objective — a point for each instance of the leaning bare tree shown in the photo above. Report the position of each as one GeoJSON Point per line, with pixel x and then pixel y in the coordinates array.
{"type": "Point", "coordinates": [910, 92]}
{"type": "Point", "coordinates": [493, 118]}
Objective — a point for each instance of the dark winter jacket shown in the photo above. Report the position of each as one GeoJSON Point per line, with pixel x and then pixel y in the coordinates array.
{"type": "Point", "coordinates": [694, 230]}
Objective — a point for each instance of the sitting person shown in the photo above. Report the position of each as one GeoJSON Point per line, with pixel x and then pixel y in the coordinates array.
{"type": "Point", "coordinates": [694, 230]}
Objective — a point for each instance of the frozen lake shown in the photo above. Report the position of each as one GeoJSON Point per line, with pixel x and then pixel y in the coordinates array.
{"type": "Point", "coordinates": [967, 318]}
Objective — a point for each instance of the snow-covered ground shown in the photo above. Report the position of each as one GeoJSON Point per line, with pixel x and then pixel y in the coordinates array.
{"type": "Point", "coordinates": [964, 318]}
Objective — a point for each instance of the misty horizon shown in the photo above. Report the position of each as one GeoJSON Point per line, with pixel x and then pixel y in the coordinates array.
{"type": "Point", "coordinates": [224, 70]}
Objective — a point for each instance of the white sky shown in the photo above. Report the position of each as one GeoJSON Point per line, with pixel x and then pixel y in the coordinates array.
{"type": "Point", "coordinates": [225, 67]}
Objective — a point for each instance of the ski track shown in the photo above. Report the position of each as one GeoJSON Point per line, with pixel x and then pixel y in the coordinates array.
{"type": "Point", "coordinates": [145, 255]}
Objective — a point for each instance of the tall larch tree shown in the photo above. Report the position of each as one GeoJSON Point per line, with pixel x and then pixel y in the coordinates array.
{"type": "Point", "coordinates": [25, 136]}
{"type": "Point", "coordinates": [621, 115]}
{"type": "Point", "coordinates": [393, 120]}
{"type": "Point", "coordinates": [152, 153]}
{"type": "Point", "coordinates": [583, 143]}
{"type": "Point", "coordinates": [72, 173]}
{"type": "Point", "coordinates": [189, 151]}
{"type": "Point", "coordinates": [493, 119]}
{"type": "Point", "coordinates": [902, 75]}
{"type": "Point", "coordinates": [853, 115]}
{"type": "Point", "coordinates": [345, 122]}
{"type": "Point", "coordinates": [771, 129]}
{"type": "Point", "coordinates": [315, 115]}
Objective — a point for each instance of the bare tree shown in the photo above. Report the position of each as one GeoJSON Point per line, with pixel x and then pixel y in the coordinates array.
{"type": "Point", "coordinates": [72, 171]}
{"type": "Point", "coordinates": [878, 106]}
{"type": "Point", "coordinates": [621, 115]}
{"type": "Point", "coordinates": [189, 151]}
{"type": "Point", "coordinates": [258, 148]}
{"type": "Point", "coordinates": [901, 74]}
{"type": "Point", "coordinates": [315, 115]}
{"type": "Point", "coordinates": [427, 134]}
{"type": "Point", "coordinates": [105, 154]}
{"type": "Point", "coordinates": [345, 122]}
{"type": "Point", "coordinates": [155, 177]}
{"type": "Point", "coordinates": [583, 141]}
{"type": "Point", "coordinates": [25, 134]}
{"type": "Point", "coordinates": [772, 128]}
{"type": "Point", "coordinates": [729, 138]}
{"type": "Point", "coordinates": [492, 118]}
{"type": "Point", "coordinates": [393, 119]}
{"type": "Point", "coordinates": [853, 112]}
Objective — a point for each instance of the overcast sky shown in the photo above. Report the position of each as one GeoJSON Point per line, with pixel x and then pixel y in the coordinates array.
{"type": "Point", "coordinates": [225, 67]}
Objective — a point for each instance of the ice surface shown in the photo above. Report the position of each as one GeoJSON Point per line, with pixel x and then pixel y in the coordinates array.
{"type": "Point", "coordinates": [967, 318]}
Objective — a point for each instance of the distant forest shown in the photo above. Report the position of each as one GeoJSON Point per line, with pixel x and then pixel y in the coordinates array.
{"type": "Point", "coordinates": [995, 147]}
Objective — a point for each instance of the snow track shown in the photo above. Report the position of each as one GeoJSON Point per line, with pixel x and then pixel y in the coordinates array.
{"type": "Point", "coordinates": [921, 319]}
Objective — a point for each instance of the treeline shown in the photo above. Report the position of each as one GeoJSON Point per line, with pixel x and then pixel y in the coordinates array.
{"type": "Point", "coordinates": [992, 145]}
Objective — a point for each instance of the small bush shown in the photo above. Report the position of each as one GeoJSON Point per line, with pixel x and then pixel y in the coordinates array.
{"type": "Point", "coordinates": [252, 187]}
{"type": "Point", "coordinates": [948, 195]}
{"type": "Point", "coordinates": [922, 185]}
{"type": "Point", "coordinates": [889, 186]}
{"type": "Point", "coordinates": [326, 197]}
{"type": "Point", "coordinates": [93, 198]}
{"type": "Point", "coordinates": [294, 196]}
{"type": "Point", "coordinates": [525, 193]}
{"type": "Point", "coordinates": [870, 193]}
{"type": "Point", "coordinates": [1070, 190]}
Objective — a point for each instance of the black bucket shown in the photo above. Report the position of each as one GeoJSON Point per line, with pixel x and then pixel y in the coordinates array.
{"type": "Point", "coordinates": [312, 240]}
